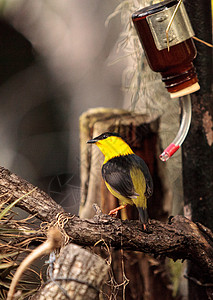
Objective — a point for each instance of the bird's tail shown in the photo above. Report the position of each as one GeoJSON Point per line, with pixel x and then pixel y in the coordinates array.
{"type": "Point", "coordinates": [143, 214]}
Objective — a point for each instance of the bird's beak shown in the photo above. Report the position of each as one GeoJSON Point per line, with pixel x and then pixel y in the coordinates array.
{"type": "Point", "coordinates": [92, 141]}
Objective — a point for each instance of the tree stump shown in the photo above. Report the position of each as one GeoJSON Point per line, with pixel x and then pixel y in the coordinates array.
{"type": "Point", "coordinates": [141, 132]}
{"type": "Point", "coordinates": [78, 274]}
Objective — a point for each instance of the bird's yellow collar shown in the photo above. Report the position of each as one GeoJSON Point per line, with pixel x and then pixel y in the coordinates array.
{"type": "Point", "coordinates": [113, 146]}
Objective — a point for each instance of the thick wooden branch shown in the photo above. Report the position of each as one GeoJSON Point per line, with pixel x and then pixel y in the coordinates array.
{"type": "Point", "coordinates": [179, 239]}
{"type": "Point", "coordinates": [37, 202]}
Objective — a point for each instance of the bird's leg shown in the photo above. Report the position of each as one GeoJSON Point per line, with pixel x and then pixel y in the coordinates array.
{"type": "Point", "coordinates": [115, 210]}
{"type": "Point", "coordinates": [144, 227]}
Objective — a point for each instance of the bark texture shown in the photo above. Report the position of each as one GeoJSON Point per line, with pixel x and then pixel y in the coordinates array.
{"type": "Point", "coordinates": [78, 274]}
{"type": "Point", "coordinates": [198, 147]}
{"type": "Point", "coordinates": [36, 202]}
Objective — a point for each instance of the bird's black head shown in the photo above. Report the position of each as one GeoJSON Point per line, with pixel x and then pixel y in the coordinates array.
{"type": "Point", "coordinates": [103, 136]}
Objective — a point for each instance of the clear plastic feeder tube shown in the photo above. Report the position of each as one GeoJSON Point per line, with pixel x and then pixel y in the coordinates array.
{"type": "Point", "coordinates": [183, 130]}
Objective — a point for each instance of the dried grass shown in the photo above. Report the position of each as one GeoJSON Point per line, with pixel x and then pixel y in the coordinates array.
{"type": "Point", "coordinates": [17, 239]}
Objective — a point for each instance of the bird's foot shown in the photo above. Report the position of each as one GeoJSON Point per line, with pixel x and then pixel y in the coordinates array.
{"type": "Point", "coordinates": [114, 211]}
{"type": "Point", "coordinates": [146, 227]}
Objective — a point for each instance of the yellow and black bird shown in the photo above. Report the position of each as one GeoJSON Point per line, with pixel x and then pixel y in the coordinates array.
{"type": "Point", "coordinates": [126, 175]}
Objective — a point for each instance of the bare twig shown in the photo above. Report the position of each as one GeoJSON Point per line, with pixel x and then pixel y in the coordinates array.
{"type": "Point", "coordinates": [203, 42]}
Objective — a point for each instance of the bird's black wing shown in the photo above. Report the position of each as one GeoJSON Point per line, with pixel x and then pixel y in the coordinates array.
{"type": "Point", "coordinates": [140, 163]}
{"type": "Point", "coordinates": [116, 172]}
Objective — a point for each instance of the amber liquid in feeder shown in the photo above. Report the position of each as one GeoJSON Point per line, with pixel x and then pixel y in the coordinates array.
{"type": "Point", "coordinates": [176, 65]}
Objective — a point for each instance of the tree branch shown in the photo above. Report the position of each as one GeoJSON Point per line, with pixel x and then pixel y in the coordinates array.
{"type": "Point", "coordinates": [179, 239]}
{"type": "Point", "coordinates": [38, 202]}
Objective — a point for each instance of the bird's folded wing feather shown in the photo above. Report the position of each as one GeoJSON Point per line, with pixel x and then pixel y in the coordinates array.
{"type": "Point", "coordinates": [116, 172]}
{"type": "Point", "coordinates": [149, 183]}
{"type": "Point", "coordinates": [118, 177]}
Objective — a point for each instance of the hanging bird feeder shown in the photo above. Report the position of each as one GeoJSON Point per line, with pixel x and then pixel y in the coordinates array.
{"type": "Point", "coordinates": [166, 35]}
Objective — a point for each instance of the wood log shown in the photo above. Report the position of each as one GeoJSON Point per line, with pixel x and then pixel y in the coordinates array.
{"type": "Point", "coordinates": [78, 274]}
